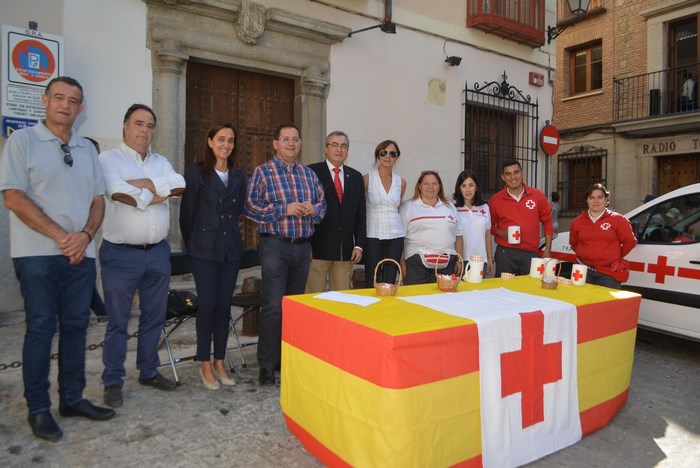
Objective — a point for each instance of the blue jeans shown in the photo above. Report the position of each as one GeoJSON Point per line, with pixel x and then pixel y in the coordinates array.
{"type": "Point", "coordinates": [215, 283]}
{"type": "Point", "coordinates": [54, 292]}
{"type": "Point", "coordinates": [377, 250]}
{"type": "Point", "coordinates": [124, 271]}
{"type": "Point", "coordinates": [284, 269]}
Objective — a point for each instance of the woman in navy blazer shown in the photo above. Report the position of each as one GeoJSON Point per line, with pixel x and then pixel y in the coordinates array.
{"type": "Point", "coordinates": [209, 211]}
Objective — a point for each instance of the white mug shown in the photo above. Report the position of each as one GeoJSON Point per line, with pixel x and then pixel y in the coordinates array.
{"type": "Point", "coordinates": [513, 234]}
{"type": "Point", "coordinates": [474, 272]}
{"type": "Point", "coordinates": [550, 267]}
{"type": "Point", "coordinates": [537, 268]}
{"type": "Point", "coordinates": [578, 274]}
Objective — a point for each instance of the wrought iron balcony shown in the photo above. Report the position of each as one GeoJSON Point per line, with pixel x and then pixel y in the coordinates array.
{"type": "Point", "coordinates": [657, 94]}
{"type": "Point", "coordinates": [521, 22]}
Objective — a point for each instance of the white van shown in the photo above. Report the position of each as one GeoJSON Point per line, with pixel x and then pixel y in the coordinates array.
{"type": "Point", "coordinates": [665, 264]}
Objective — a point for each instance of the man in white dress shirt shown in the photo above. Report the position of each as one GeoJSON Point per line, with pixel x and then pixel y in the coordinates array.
{"type": "Point", "coordinates": [134, 254]}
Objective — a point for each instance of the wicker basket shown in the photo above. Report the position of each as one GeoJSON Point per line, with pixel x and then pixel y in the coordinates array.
{"type": "Point", "coordinates": [550, 283]}
{"type": "Point", "coordinates": [449, 283]}
{"type": "Point", "coordinates": [386, 289]}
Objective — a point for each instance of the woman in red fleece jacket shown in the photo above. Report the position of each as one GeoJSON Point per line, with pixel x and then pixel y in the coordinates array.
{"type": "Point", "coordinates": [601, 238]}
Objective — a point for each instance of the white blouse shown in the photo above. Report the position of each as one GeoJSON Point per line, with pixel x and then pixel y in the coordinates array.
{"type": "Point", "coordinates": [383, 219]}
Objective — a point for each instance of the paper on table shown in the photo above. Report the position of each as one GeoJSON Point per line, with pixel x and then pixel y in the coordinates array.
{"type": "Point", "coordinates": [363, 301]}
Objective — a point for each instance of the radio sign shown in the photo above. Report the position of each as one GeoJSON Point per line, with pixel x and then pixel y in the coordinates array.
{"type": "Point", "coordinates": [30, 60]}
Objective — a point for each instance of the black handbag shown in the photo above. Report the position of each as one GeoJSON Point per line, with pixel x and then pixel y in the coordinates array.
{"type": "Point", "coordinates": [181, 303]}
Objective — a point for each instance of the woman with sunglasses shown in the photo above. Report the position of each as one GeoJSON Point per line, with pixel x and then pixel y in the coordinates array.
{"type": "Point", "coordinates": [475, 217]}
{"type": "Point", "coordinates": [384, 191]}
{"type": "Point", "coordinates": [432, 228]}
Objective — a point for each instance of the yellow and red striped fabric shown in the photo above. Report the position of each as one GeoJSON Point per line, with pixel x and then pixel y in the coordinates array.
{"type": "Point", "coordinates": [396, 384]}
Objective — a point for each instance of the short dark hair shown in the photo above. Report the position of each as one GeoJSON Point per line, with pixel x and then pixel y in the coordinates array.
{"type": "Point", "coordinates": [383, 145]}
{"type": "Point", "coordinates": [458, 197]}
{"type": "Point", "coordinates": [510, 162]}
{"type": "Point", "coordinates": [598, 186]}
{"type": "Point", "coordinates": [67, 80]}
{"type": "Point", "coordinates": [135, 107]}
{"type": "Point", "coordinates": [279, 129]}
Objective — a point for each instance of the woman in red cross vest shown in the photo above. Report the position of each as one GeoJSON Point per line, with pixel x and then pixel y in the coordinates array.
{"type": "Point", "coordinates": [432, 228]}
{"type": "Point", "coordinates": [601, 238]}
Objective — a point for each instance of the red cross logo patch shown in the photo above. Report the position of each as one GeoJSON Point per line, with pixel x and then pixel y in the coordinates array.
{"type": "Point", "coordinates": [605, 226]}
{"type": "Point", "coordinates": [530, 204]}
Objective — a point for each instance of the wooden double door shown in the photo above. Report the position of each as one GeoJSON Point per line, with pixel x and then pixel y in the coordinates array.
{"type": "Point", "coordinates": [677, 171]}
{"type": "Point", "coordinates": [254, 103]}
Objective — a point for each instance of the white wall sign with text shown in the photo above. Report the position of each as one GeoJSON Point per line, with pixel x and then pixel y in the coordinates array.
{"type": "Point", "coordinates": [30, 59]}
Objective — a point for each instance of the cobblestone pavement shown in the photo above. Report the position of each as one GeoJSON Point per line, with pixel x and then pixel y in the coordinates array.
{"type": "Point", "coordinates": [243, 426]}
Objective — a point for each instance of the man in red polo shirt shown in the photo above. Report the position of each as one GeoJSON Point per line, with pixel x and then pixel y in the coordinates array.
{"type": "Point", "coordinates": [519, 205]}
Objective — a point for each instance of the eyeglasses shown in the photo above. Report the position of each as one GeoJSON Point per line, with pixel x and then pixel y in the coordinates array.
{"type": "Point", "coordinates": [294, 140]}
{"type": "Point", "coordinates": [335, 145]}
{"type": "Point", "coordinates": [67, 157]}
{"type": "Point", "coordinates": [392, 154]}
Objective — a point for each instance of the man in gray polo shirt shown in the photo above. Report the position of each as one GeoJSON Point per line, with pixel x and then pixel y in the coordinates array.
{"type": "Point", "coordinates": [51, 182]}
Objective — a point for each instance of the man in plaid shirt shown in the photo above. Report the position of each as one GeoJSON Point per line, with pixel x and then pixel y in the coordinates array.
{"type": "Point", "coordinates": [286, 199]}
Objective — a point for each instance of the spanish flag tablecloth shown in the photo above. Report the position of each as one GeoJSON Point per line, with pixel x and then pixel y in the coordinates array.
{"type": "Point", "coordinates": [498, 374]}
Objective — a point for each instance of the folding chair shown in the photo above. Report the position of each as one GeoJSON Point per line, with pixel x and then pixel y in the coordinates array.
{"type": "Point", "coordinates": [178, 312]}
{"type": "Point", "coordinates": [248, 303]}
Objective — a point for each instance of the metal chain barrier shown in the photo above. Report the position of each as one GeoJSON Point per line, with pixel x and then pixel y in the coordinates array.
{"type": "Point", "coordinates": [90, 347]}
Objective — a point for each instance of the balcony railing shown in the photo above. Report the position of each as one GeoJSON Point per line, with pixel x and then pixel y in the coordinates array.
{"type": "Point", "coordinates": [656, 94]}
{"type": "Point", "coordinates": [521, 22]}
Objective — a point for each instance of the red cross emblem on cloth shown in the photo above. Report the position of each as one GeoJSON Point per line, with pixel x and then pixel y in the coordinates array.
{"type": "Point", "coordinates": [527, 370]}
{"type": "Point", "coordinates": [530, 204]}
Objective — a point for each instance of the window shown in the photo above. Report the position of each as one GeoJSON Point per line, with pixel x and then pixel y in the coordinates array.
{"type": "Point", "coordinates": [586, 69]}
{"type": "Point", "coordinates": [499, 125]}
{"type": "Point", "coordinates": [578, 169]}
{"type": "Point", "coordinates": [676, 221]}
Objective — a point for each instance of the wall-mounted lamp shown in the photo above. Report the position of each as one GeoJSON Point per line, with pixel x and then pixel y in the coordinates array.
{"type": "Point", "coordinates": [578, 9]}
{"type": "Point", "coordinates": [386, 26]}
{"type": "Point", "coordinates": [451, 60]}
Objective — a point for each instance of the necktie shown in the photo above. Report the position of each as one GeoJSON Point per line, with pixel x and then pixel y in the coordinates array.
{"type": "Point", "coordinates": [338, 185]}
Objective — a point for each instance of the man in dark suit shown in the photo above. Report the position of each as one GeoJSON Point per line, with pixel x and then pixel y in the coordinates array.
{"type": "Point", "coordinates": [338, 241]}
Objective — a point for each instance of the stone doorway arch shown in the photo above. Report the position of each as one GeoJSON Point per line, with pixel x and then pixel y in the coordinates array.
{"type": "Point", "coordinates": [246, 35]}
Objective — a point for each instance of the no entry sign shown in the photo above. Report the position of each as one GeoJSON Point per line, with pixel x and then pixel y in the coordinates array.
{"type": "Point", "coordinates": [549, 139]}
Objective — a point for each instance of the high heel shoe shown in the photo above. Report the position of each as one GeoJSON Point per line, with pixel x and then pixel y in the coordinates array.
{"type": "Point", "coordinates": [224, 378]}
{"type": "Point", "coordinates": [209, 385]}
